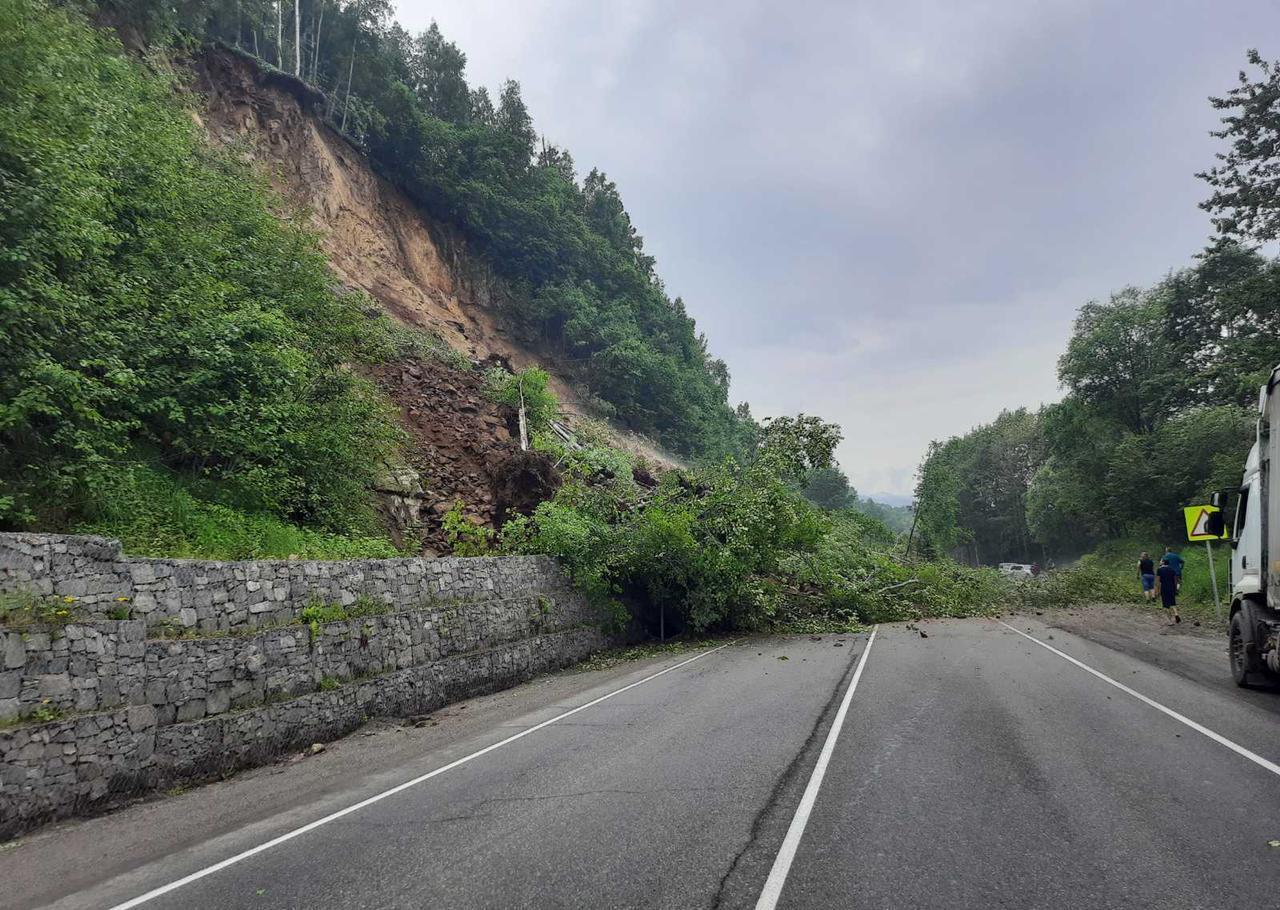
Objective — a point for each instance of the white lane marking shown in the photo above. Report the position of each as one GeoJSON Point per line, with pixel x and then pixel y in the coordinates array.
{"type": "Point", "coordinates": [1199, 728]}
{"type": "Point", "coordinates": [311, 826]}
{"type": "Point", "coordinates": [787, 853]}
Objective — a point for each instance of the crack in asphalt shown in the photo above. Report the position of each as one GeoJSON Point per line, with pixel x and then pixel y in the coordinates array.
{"type": "Point", "coordinates": [788, 775]}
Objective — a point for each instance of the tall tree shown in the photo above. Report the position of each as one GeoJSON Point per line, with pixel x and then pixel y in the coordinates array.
{"type": "Point", "coordinates": [828, 488]}
{"type": "Point", "coordinates": [438, 73]}
{"type": "Point", "coordinates": [1116, 360]}
{"type": "Point", "coordinates": [482, 110]}
{"type": "Point", "coordinates": [513, 118]}
{"type": "Point", "coordinates": [1246, 185]}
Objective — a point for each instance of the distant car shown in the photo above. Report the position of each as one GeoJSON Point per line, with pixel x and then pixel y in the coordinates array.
{"type": "Point", "coordinates": [1016, 569]}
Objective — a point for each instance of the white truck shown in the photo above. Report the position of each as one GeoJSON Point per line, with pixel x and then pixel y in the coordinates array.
{"type": "Point", "coordinates": [1255, 541]}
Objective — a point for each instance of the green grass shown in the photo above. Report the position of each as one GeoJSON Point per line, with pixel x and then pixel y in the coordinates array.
{"type": "Point", "coordinates": [155, 513]}
{"type": "Point", "coordinates": [318, 612]}
{"type": "Point", "coordinates": [42, 714]}
{"type": "Point", "coordinates": [19, 609]}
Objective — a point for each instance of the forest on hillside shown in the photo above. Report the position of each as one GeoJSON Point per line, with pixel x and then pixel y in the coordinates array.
{"type": "Point", "coordinates": [1161, 384]}
{"type": "Point", "coordinates": [475, 159]}
{"type": "Point", "coordinates": [180, 370]}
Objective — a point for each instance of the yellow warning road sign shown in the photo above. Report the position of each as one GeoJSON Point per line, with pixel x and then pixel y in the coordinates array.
{"type": "Point", "coordinates": [1197, 518]}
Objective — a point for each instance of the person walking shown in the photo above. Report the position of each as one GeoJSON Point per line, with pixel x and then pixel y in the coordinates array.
{"type": "Point", "coordinates": [1147, 575]}
{"type": "Point", "coordinates": [1175, 563]}
{"type": "Point", "coordinates": [1167, 588]}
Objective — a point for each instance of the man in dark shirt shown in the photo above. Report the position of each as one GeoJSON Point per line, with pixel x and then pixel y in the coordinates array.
{"type": "Point", "coordinates": [1167, 588]}
{"type": "Point", "coordinates": [1175, 562]}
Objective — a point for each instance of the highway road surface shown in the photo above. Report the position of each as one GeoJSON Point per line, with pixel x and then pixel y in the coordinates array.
{"type": "Point", "coordinates": [983, 766]}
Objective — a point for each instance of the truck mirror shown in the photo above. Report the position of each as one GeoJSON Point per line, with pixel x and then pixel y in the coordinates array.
{"type": "Point", "coordinates": [1215, 523]}
{"type": "Point", "coordinates": [1218, 499]}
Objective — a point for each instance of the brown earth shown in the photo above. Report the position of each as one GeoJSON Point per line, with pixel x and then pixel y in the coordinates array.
{"type": "Point", "coordinates": [376, 240]}
{"type": "Point", "coordinates": [422, 272]}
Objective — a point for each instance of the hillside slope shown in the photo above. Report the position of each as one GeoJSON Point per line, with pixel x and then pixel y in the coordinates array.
{"type": "Point", "coordinates": [420, 271]}
{"type": "Point", "coordinates": [375, 239]}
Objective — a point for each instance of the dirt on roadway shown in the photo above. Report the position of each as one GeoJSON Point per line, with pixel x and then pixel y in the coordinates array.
{"type": "Point", "coordinates": [1194, 651]}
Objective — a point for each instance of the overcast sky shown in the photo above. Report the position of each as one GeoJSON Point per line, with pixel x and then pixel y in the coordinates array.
{"type": "Point", "coordinates": [885, 213]}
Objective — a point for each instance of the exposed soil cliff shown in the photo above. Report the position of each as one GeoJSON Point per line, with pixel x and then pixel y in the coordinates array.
{"type": "Point", "coordinates": [422, 272]}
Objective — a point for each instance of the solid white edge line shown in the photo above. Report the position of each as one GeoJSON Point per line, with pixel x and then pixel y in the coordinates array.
{"type": "Point", "coordinates": [311, 826]}
{"type": "Point", "coordinates": [787, 852]}
{"type": "Point", "coordinates": [1199, 728]}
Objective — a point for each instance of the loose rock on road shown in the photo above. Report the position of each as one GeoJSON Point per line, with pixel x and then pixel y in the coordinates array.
{"type": "Point", "coordinates": [974, 769]}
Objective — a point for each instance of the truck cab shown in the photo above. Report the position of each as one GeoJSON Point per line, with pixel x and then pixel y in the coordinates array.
{"type": "Point", "coordinates": [1246, 535]}
{"type": "Point", "coordinates": [1254, 644]}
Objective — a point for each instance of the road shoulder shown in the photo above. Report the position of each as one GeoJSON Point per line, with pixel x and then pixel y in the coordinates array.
{"type": "Point", "coordinates": [64, 858]}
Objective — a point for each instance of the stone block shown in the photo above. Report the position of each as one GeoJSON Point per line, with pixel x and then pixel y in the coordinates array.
{"type": "Point", "coordinates": [53, 685]}
{"type": "Point", "coordinates": [218, 701]}
{"type": "Point", "coordinates": [190, 710]}
{"type": "Point", "coordinates": [10, 684]}
{"type": "Point", "coordinates": [141, 717]}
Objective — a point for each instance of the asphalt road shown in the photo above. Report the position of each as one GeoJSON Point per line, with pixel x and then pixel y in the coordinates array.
{"type": "Point", "coordinates": [973, 768]}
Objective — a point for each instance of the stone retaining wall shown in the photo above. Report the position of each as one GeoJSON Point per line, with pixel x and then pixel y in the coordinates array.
{"type": "Point", "coordinates": [98, 710]}
{"type": "Point", "coordinates": [232, 596]}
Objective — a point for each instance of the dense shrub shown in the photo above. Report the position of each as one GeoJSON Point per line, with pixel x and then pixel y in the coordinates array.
{"type": "Point", "coordinates": [155, 513]}
{"type": "Point", "coordinates": [150, 299]}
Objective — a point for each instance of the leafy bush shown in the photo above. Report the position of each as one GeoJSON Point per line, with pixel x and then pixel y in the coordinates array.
{"type": "Point", "coordinates": [149, 297]}
{"type": "Point", "coordinates": [153, 512]}
{"type": "Point", "coordinates": [591, 463]}
{"type": "Point", "coordinates": [465, 538]}
{"type": "Point", "coordinates": [528, 386]}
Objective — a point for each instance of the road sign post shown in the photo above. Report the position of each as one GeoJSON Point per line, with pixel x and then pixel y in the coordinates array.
{"type": "Point", "coordinates": [1197, 519]}
{"type": "Point", "coordinates": [1213, 579]}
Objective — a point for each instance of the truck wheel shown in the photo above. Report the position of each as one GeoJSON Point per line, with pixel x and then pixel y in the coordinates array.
{"type": "Point", "coordinates": [1246, 668]}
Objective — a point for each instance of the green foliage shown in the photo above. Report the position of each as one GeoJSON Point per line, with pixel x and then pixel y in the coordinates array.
{"type": "Point", "coordinates": [595, 464]}
{"type": "Point", "coordinates": [465, 538]}
{"type": "Point", "coordinates": [19, 609]}
{"type": "Point", "coordinates": [328, 683]}
{"type": "Point", "coordinates": [735, 546]}
{"type": "Point", "coordinates": [792, 447]}
{"type": "Point", "coordinates": [318, 612]}
{"type": "Point", "coordinates": [154, 512]}
{"type": "Point", "coordinates": [897, 519]}
{"type": "Point", "coordinates": [568, 242]}
{"type": "Point", "coordinates": [828, 488]}
{"type": "Point", "coordinates": [150, 298]}
{"type": "Point", "coordinates": [43, 713]}
{"type": "Point", "coordinates": [1163, 384]}
{"type": "Point", "coordinates": [1246, 196]}
{"type": "Point", "coordinates": [1082, 585]}
{"type": "Point", "coordinates": [528, 386]}
{"type": "Point", "coordinates": [972, 489]}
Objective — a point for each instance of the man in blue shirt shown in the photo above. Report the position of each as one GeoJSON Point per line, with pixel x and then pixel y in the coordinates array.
{"type": "Point", "coordinates": [1174, 560]}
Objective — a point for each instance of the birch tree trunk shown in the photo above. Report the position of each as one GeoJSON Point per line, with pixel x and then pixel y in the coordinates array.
{"type": "Point", "coordinates": [315, 51]}
{"type": "Point", "coordinates": [351, 68]}
{"type": "Point", "coordinates": [297, 38]}
{"type": "Point", "coordinates": [279, 37]}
